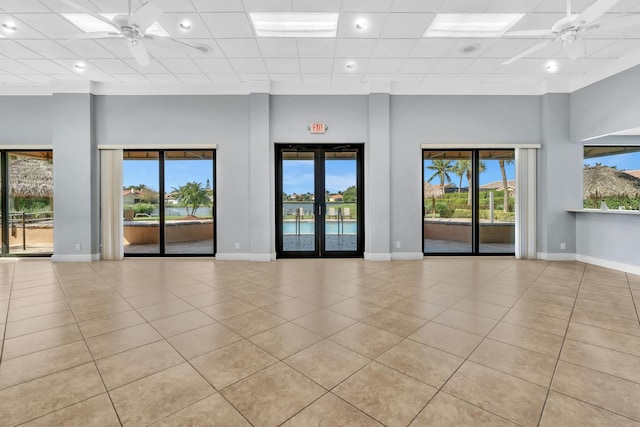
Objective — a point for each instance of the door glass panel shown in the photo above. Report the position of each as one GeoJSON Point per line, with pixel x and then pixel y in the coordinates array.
{"type": "Point", "coordinates": [140, 200]}
{"type": "Point", "coordinates": [30, 202]}
{"type": "Point", "coordinates": [447, 189]}
{"type": "Point", "coordinates": [341, 201]}
{"type": "Point", "coordinates": [497, 201]}
{"type": "Point", "coordinates": [298, 200]}
{"type": "Point", "coordinates": [188, 202]}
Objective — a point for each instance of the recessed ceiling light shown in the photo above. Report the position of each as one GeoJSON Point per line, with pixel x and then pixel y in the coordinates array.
{"type": "Point", "coordinates": [470, 48]}
{"type": "Point", "coordinates": [9, 27]}
{"type": "Point", "coordinates": [551, 66]}
{"type": "Point", "coordinates": [350, 65]}
{"type": "Point", "coordinates": [89, 24]}
{"type": "Point", "coordinates": [80, 67]}
{"type": "Point", "coordinates": [295, 24]}
{"type": "Point", "coordinates": [471, 24]}
{"type": "Point", "coordinates": [361, 24]}
{"type": "Point", "coordinates": [185, 25]}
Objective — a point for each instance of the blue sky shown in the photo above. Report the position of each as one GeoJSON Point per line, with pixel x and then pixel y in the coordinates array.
{"type": "Point", "coordinates": [629, 161]}
{"type": "Point", "coordinates": [298, 176]}
{"type": "Point", "coordinates": [176, 173]}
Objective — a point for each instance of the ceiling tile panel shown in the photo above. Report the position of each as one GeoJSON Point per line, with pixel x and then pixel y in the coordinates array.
{"type": "Point", "coordinates": [131, 78]}
{"type": "Point", "coordinates": [240, 48]}
{"type": "Point", "coordinates": [464, 6]}
{"type": "Point", "coordinates": [214, 65]}
{"type": "Point", "coordinates": [409, 78]}
{"type": "Point", "coordinates": [228, 25]}
{"type": "Point", "coordinates": [412, 6]}
{"type": "Point", "coordinates": [282, 65]}
{"type": "Point", "coordinates": [316, 48]}
{"type": "Point", "coordinates": [248, 66]}
{"type": "Point", "coordinates": [224, 78]}
{"type": "Point", "coordinates": [18, 6]}
{"type": "Point", "coordinates": [351, 77]}
{"type": "Point", "coordinates": [316, 65]}
{"type": "Point", "coordinates": [86, 48]}
{"type": "Point", "coordinates": [45, 66]}
{"type": "Point", "coordinates": [175, 5]}
{"type": "Point", "coordinates": [113, 66]}
{"type": "Point", "coordinates": [451, 65]}
{"type": "Point", "coordinates": [193, 78]}
{"type": "Point", "coordinates": [171, 23]}
{"type": "Point", "coordinates": [48, 48]}
{"type": "Point", "coordinates": [316, 6]}
{"type": "Point", "coordinates": [431, 48]}
{"type": "Point", "coordinates": [254, 77]}
{"type": "Point", "coordinates": [37, 78]}
{"type": "Point", "coordinates": [355, 48]}
{"type": "Point", "coordinates": [278, 47]}
{"type": "Point", "coordinates": [10, 78]}
{"type": "Point", "coordinates": [183, 66]}
{"type": "Point", "coordinates": [393, 48]}
{"type": "Point", "coordinates": [349, 66]}
{"type": "Point", "coordinates": [154, 68]}
{"type": "Point", "coordinates": [14, 50]}
{"type": "Point", "coordinates": [406, 25]}
{"type": "Point", "coordinates": [163, 78]}
{"type": "Point", "coordinates": [294, 78]}
{"type": "Point", "coordinates": [267, 5]}
{"type": "Point", "coordinates": [484, 66]}
{"type": "Point", "coordinates": [316, 78]}
{"type": "Point", "coordinates": [384, 66]}
{"type": "Point", "coordinates": [512, 6]}
{"type": "Point", "coordinates": [347, 25]}
{"type": "Point", "coordinates": [50, 24]}
{"type": "Point", "coordinates": [417, 66]}
{"type": "Point", "coordinates": [366, 5]}
{"type": "Point", "coordinates": [24, 31]}
{"type": "Point", "coordinates": [218, 5]}
{"type": "Point", "coordinates": [14, 67]}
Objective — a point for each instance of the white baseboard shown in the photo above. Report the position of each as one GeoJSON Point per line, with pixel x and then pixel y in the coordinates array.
{"type": "Point", "coordinates": [232, 256]}
{"type": "Point", "coordinates": [558, 256]}
{"type": "Point", "coordinates": [377, 256]}
{"type": "Point", "coordinates": [262, 257]}
{"type": "Point", "coordinates": [75, 258]}
{"type": "Point", "coordinates": [407, 255]}
{"type": "Point", "coordinates": [614, 265]}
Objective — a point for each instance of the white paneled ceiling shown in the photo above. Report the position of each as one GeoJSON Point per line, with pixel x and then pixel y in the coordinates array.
{"type": "Point", "coordinates": [390, 53]}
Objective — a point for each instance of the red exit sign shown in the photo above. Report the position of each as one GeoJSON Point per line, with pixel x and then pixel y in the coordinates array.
{"type": "Point", "coordinates": [318, 128]}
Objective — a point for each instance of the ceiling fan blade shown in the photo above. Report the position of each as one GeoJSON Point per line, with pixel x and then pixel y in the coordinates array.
{"type": "Point", "coordinates": [97, 16]}
{"type": "Point", "coordinates": [529, 51]}
{"type": "Point", "coordinates": [172, 44]}
{"type": "Point", "coordinates": [617, 24]}
{"type": "Point", "coordinates": [144, 17]}
{"type": "Point", "coordinates": [594, 12]}
{"type": "Point", "coordinates": [575, 49]}
{"type": "Point", "coordinates": [530, 33]}
{"type": "Point", "coordinates": [97, 35]}
{"type": "Point", "coordinates": [139, 53]}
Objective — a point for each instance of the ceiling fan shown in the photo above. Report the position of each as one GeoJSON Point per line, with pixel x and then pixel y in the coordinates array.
{"type": "Point", "coordinates": [572, 29]}
{"type": "Point", "coordinates": [133, 27]}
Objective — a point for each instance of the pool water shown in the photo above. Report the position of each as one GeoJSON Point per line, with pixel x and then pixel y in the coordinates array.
{"type": "Point", "coordinates": [308, 227]}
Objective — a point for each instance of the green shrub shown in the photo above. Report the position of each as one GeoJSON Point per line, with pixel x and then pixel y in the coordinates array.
{"type": "Point", "coordinates": [462, 213]}
{"type": "Point", "coordinates": [145, 208]}
{"type": "Point", "coordinates": [444, 211]}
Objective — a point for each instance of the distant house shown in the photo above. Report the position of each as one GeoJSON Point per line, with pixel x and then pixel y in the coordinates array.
{"type": "Point", "coordinates": [497, 185]}
{"type": "Point", "coordinates": [336, 198]}
{"type": "Point", "coordinates": [448, 188]}
{"type": "Point", "coordinates": [635, 173]}
{"type": "Point", "coordinates": [170, 199]}
{"type": "Point", "coordinates": [131, 197]}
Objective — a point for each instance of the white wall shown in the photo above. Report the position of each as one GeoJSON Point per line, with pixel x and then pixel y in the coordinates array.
{"type": "Point", "coordinates": [26, 120]}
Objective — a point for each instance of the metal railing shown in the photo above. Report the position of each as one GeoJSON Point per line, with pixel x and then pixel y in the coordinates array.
{"type": "Point", "coordinates": [340, 223]}
{"type": "Point", "coordinates": [24, 219]}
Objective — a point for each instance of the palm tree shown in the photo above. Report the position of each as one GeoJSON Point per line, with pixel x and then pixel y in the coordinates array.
{"type": "Point", "coordinates": [460, 169]}
{"type": "Point", "coordinates": [442, 169]}
{"type": "Point", "coordinates": [483, 168]}
{"type": "Point", "coordinates": [505, 196]}
{"type": "Point", "coordinates": [192, 194]}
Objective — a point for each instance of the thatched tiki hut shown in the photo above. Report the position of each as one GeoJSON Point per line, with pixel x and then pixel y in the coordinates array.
{"type": "Point", "coordinates": [31, 178]}
{"type": "Point", "coordinates": [603, 181]}
{"type": "Point", "coordinates": [432, 192]}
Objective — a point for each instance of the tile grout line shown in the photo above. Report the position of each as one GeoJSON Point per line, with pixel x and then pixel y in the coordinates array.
{"type": "Point", "coordinates": [6, 320]}
{"type": "Point", "coordinates": [564, 338]}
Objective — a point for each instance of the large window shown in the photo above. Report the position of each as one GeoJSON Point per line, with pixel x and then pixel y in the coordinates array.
{"type": "Point", "coordinates": [168, 202]}
{"type": "Point", "coordinates": [469, 201]}
{"type": "Point", "coordinates": [26, 184]}
{"type": "Point", "coordinates": [611, 175]}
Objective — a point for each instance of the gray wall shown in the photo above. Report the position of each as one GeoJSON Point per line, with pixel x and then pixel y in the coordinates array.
{"type": "Point", "coordinates": [186, 120]}
{"type": "Point", "coordinates": [609, 237]}
{"type": "Point", "coordinates": [608, 106]}
{"type": "Point", "coordinates": [559, 178]}
{"type": "Point", "coordinates": [417, 120]}
{"type": "Point", "coordinates": [26, 120]}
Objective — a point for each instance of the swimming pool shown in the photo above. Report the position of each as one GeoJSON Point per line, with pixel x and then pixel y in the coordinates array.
{"type": "Point", "coordinates": [308, 227]}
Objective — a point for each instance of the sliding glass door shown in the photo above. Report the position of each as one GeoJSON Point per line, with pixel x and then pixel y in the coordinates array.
{"type": "Point", "coordinates": [319, 201]}
{"type": "Point", "coordinates": [469, 201]}
{"type": "Point", "coordinates": [26, 192]}
{"type": "Point", "coordinates": [169, 202]}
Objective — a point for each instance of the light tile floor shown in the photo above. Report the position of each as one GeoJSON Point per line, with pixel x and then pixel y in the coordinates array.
{"type": "Point", "coordinates": [440, 341]}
